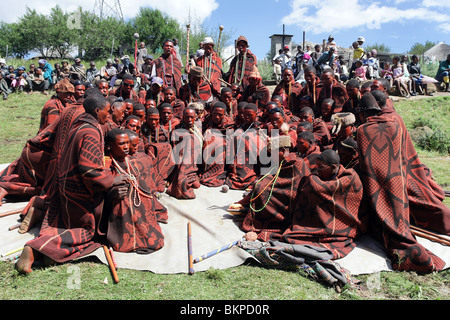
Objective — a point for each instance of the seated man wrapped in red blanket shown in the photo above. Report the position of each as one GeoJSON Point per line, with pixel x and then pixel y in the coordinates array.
{"type": "Point", "coordinates": [384, 168]}
{"type": "Point", "coordinates": [69, 228]}
{"type": "Point", "coordinates": [326, 210]}
{"type": "Point", "coordinates": [268, 208]}
{"type": "Point", "coordinates": [132, 222]}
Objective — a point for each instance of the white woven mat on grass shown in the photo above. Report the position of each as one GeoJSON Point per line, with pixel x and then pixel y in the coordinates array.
{"type": "Point", "coordinates": [211, 228]}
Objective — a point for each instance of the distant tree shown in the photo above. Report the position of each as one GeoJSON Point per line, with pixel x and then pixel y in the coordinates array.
{"type": "Point", "coordinates": [419, 49]}
{"type": "Point", "coordinates": [380, 47]}
{"type": "Point", "coordinates": [153, 27]}
{"type": "Point", "coordinates": [61, 38]}
{"type": "Point", "coordinates": [98, 36]}
{"type": "Point", "coordinates": [30, 33]}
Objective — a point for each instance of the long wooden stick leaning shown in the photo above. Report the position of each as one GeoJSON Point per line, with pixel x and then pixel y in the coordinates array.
{"type": "Point", "coordinates": [191, 263]}
{"type": "Point", "coordinates": [430, 235]}
{"type": "Point", "coordinates": [111, 264]}
{"type": "Point", "coordinates": [188, 26]}
{"type": "Point", "coordinates": [220, 39]}
{"type": "Point", "coordinates": [223, 81]}
{"type": "Point", "coordinates": [214, 252]}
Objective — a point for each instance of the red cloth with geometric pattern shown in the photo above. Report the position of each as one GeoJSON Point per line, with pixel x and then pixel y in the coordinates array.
{"type": "Point", "coordinates": [132, 221]}
{"type": "Point", "coordinates": [384, 175]}
{"type": "Point", "coordinates": [69, 227]}
{"type": "Point", "coordinates": [272, 199]}
{"type": "Point", "coordinates": [169, 69]}
{"type": "Point", "coordinates": [242, 156]}
{"type": "Point", "coordinates": [326, 213]}
{"type": "Point", "coordinates": [187, 153]}
{"type": "Point", "coordinates": [212, 68]}
{"type": "Point", "coordinates": [163, 164]}
{"type": "Point", "coordinates": [213, 170]}
{"type": "Point", "coordinates": [51, 111]}
{"type": "Point", "coordinates": [425, 196]}
{"type": "Point", "coordinates": [239, 73]}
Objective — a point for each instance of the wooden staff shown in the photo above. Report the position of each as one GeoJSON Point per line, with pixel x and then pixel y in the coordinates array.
{"type": "Point", "coordinates": [430, 235]}
{"type": "Point", "coordinates": [136, 36]}
{"type": "Point", "coordinates": [220, 38]}
{"type": "Point", "coordinates": [111, 264]}
{"type": "Point", "coordinates": [188, 26]}
{"type": "Point", "coordinates": [14, 227]}
{"type": "Point", "coordinates": [10, 212]}
{"type": "Point", "coordinates": [191, 260]}
{"type": "Point", "coordinates": [223, 81]}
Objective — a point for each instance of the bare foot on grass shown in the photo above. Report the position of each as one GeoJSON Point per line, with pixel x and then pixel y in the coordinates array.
{"type": "Point", "coordinates": [23, 265]}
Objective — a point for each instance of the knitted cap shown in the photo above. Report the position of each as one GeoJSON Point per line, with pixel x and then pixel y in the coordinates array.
{"type": "Point", "coordinates": [64, 86]}
{"type": "Point", "coordinates": [196, 71]}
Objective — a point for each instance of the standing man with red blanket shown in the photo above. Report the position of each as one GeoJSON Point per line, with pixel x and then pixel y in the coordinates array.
{"type": "Point", "coordinates": [242, 64]}
{"type": "Point", "coordinates": [381, 145]}
{"type": "Point", "coordinates": [168, 67]}
{"type": "Point", "coordinates": [69, 228]}
{"type": "Point", "coordinates": [212, 65]}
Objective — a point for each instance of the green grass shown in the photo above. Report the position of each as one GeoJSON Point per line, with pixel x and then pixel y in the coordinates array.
{"type": "Point", "coordinates": [19, 120]}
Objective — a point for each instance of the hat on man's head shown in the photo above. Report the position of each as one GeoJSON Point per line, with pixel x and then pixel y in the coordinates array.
{"type": "Point", "coordinates": [368, 102]}
{"type": "Point", "coordinates": [255, 73]}
{"type": "Point", "coordinates": [2, 61]}
{"type": "Point", "coordinates": [208, 40]}
{"type": "Point", "coordinates": [242, 38]}
{"type": "Point", "coordinates": [149, 56]}
{"type": "Point", "coordinates": [330, 157]}
{"type": "Point", "coordinates": [77, 59]}
{"type": "Point", "coordinates": [196, 71]}
{"type": "Point", "coordinates": [350, 143]}
{"type": "Point", "coordinates": [64, 86]}
{"type": "Point", "coordinates": [277, 142]}
{"type": "Point", "coordinates": [341, 119]}
{"type": "Point", "coordinates": [158, 81]}
{"type": "Point", "coordinates": [197, 106]}
{"type": "Point", "coordinates": [362, 39]}
{"type": "Point", "coordinates": [125, 57]}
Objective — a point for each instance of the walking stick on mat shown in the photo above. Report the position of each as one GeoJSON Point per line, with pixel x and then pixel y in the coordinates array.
{"type": "Point", "coordinates": [111, 264]}
{"type": "Point", "coordinates": [430, 235]}
{"type": "Point", "coordinates": [214, 252]}
{"type": "Point", "coordinates": [11, 212]}
{"type": "Point", "coordinates": [191, 265]}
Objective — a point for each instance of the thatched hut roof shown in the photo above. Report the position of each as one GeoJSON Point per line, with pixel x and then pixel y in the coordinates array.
{"type": "Point", "coordinates": [439, 52]}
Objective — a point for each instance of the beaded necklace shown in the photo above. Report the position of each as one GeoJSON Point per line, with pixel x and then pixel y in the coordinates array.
{"type": "Point", "coordinates": [236, 75]}
{"type": "Point", "coordinates": [272, 182]}
{"type": "Point", "coordinates": [132, 173]}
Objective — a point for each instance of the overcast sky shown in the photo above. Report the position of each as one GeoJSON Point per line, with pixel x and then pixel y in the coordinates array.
{"type": "Point", "coordinates": [395, 23]}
